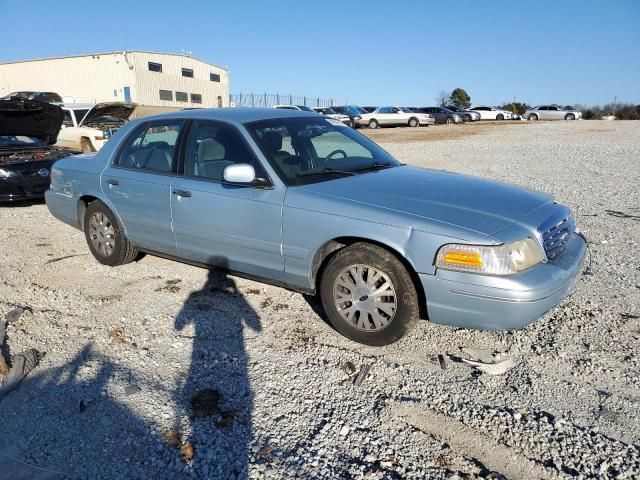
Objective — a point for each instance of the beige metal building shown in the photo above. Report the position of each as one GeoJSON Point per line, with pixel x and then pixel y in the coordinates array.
{"type": "Point", "coordinates": [147, 78]}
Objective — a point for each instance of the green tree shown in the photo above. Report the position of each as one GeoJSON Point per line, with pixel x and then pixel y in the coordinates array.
{"type": "Point", "coordinates": [460, 98]}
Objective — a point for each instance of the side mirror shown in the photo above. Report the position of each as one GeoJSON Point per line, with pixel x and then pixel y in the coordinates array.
{"type": "Point", "coordinates": [239, 173]}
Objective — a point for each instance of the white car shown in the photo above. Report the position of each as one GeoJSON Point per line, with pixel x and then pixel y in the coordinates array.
{"type": "Point", "coordinates": [395, 117]}
{"type": "Point", "coordinates": [302, 108]}
{"type": "Point", "coordinates": [492, 113]}
{"type": "Point", "coordinates": [331, 113]}
{"type": "Point", "coordinates": [90, 133]}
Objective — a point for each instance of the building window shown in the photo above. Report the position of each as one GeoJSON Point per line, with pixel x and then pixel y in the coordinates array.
{"type": "Point", "coordinates": [166, 95]}
{"type": "Point", "coordinates": [196, 98]}
{"type": "Point", "coordinates": [214, 77]}
{"type": "Point", "coordinates": [187, 72]}
{"type": "Point", "coordinates": [155, 67]}
{"type": "Point", "coordinates": [182, 97]}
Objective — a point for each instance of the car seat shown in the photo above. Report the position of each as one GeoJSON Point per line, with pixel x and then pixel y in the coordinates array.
{"type": "Point", "coordinates": [287, 163]}
{"type": "Point", "coordinates": [211, 160]}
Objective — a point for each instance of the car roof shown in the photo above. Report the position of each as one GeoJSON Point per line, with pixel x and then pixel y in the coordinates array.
{"type": "Point", "coordinates": [235, 114]}
{"type": "Point", "coordinates": [77, 105]}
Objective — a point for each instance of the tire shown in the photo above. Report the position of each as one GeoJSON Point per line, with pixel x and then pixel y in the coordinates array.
{"type": "Point", "coordinates": [468, 118]}
{"type": "Point", "coordinates": [449, 121]}
{"type": "Point", "coordinates": [413, 122]}
{"type": "Point", "coordinates": [533, 117]}
{"type": "Point", "coordinates": [101, 224]}
{"type": "Point", "coordinates": [570, 116]}
{"type": "Point", "coordinates": [85, 146]}
{"type": "Point", "coordinates": [375, 326]}
{"type": "Point", "coordinates": [373, 123]}
{"type": "Point", "coordinates": [500, 117]}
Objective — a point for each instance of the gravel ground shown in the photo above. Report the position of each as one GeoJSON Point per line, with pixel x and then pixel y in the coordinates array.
{"type": "Point", "coordinates": [127, 348]}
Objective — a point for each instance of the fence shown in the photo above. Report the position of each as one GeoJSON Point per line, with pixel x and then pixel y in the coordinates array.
{"type": "Point", "coordinates": [268, 100]}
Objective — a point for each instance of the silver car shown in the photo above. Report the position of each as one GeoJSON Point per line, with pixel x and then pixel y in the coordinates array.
{"type": "Point", "coordinates": [551, 112]}
{"type": "Point", "coordinates": [303, 201]}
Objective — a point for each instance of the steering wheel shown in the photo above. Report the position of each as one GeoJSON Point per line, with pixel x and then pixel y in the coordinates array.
{"type": "Point", "coordinates": [335, 152]}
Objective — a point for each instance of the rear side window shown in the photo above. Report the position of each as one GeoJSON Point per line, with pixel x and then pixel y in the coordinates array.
{"type": "Point", "coordinates": [151, 148]}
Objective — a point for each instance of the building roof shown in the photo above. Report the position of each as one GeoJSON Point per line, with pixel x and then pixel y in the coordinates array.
{"type": "Point", "coordinates": [114, 53]}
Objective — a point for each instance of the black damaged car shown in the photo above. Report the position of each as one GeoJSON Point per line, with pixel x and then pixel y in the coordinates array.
{"type": "Point", "coordinates": [28, 130]}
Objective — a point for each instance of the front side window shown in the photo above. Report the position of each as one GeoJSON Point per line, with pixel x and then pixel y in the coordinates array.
{"type": "Point", "coordinates": [152, 148]}
{"type": "Point", "coordinates": [309, 150]}
{"type": "Point", "coordinates": [213, 146]}
{"type": "Point", "coordinates": [385, 110]}
{"type": "Point", "coordinates": [67, 121]}
{"type": "Point", "coordinates": [182, 97]}
{"type": "Point", "coordinates": [155, 67]}
{"type": "Point", "coordinates": [187, 72]}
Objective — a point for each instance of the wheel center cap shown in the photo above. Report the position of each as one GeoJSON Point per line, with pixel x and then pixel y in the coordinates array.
{"type": "Point", "coordinates": [363, 299]}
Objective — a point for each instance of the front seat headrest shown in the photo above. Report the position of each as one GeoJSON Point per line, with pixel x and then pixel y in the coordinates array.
{"type": "Point", "coordinates": [273, 140]}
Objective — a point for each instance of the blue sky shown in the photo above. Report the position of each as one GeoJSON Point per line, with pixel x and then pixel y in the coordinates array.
{"type": "Point", "coordinates": [374, 52]}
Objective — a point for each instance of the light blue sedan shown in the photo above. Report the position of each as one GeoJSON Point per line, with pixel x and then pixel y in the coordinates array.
{"type": "Point", "coordinates": [305, 202]}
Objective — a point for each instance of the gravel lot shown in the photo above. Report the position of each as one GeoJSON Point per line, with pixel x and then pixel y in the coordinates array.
{"type": "Point", "coordinates": [127, 348]}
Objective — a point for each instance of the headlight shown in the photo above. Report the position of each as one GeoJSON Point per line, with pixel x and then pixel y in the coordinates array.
{"type": "Point", "coordinates": [491, 260]}
{"type": "Point", "coordinates": [7, 173]}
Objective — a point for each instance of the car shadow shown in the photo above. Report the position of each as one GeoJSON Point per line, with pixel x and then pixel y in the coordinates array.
{"type": "Point", "coordinates": [77, 419]}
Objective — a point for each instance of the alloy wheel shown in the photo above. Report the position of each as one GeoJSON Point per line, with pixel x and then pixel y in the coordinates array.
{"type": "Point", "coordinates": [102, 234]}
{"type": "Point", "coordinates": [365, 297]}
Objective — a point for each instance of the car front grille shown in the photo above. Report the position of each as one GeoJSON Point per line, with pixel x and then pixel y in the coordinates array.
{"type": "Point", "coordinates": [556, 236]}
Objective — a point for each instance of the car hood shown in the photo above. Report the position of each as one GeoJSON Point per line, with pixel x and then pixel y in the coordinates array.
{"type": "Point", "coordinates": [470, 203]}
{"type": "Point", "coordinates": [31, 118]}
{"type": "Point", "coordinates": [121, 111]}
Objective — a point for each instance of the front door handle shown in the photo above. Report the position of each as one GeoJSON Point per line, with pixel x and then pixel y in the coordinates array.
{"type": "Point", "coordinates": [113, 182]}
{"type": "Point", "coordinates": [182, 193]}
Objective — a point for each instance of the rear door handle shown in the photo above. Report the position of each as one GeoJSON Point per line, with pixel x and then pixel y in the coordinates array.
{"type": "Point", "coordinates": [182, 193]}
{"type": "Point", "coordinates": [113, 182]}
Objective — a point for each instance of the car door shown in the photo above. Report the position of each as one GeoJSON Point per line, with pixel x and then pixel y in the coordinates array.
{"type": "Point", "coordinates": [555, 113]}
{"type": "Point", "coordinates": [543, 113]}
{"type": "Point", "coordinates": [237, 227]}
{"type": "Point", "coordinates": [138, 183]}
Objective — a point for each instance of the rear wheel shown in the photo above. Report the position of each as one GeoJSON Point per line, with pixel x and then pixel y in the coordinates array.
{"type": "Point", "coordinates": [533, 117]}
{"type": "Point", "coordinates": [105, 236]}
{"type": "Point", "coordinates": [570, 116]}
{"type": "Point", "coordinates": [373, 123]}
{"type": "Point", "coordinates": [500, 117]}
{"type": "Point", "coordinates": [85, 145]}
{"type": "Point", "coordinates": [413, 122]}
{"type": "Point", "coordinates": [368, 295]}
{"type": "Point", "coordinates": [449, 121]}
{"type": "Point", "coordinates": [468, 118]}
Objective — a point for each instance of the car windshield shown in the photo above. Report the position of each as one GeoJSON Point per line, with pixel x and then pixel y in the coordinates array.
{"type": "Point", "coordinates": [11, 141]}
{"type": "Point", "coordinates": [453, 108]}
{"type": "Point", "coordinates": [80, 114]}
{"type": "Point", "coordinates": [305, 108]}
{"type": "Point", "coordinates": [310, 150]}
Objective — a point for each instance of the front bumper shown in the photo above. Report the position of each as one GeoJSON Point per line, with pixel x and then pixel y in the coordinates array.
{"type": "Point", "coordinates": [503, 302]}
{"type": "Point", "coordinates": [17, 189]}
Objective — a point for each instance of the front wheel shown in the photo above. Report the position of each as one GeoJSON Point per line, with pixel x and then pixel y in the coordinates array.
{"type": "Point", "coordinates": [500, 117]}
{"type": "Point", "coordinates": [449, 121]}
{"type": "Point", "coordinates": [373, 124]}
{"type": "Point", "coordinates": [413, 122]}
{"type": "Point", "coordinates": [570, 116]}
{"type": "Point", "coordinates": [105, 236]}
{"type": "Point", "coordinates": [368, 295]}
{"type": "Point", "coordinates": [532, 117]}
{"type": "Point", "coordinates": [85, 146]}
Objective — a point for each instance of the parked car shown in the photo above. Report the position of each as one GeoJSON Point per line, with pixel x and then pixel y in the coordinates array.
{"type": "Point", "coordinates": [98, 125]}
{"type": "Point", "coordinates": [467, 115]}
{"type": "Point", "coordinates": [307, 203]}
{"type": "Point", "coordinates": [551, 112]}
{"type": "Point", "coordinates": [50, 97]}
{"type": "Point", "coordinates": [394, 117]}
{"type": "Point", "coordinates": [300, 108]}
{"type": "Point", "coordinates": [492, 113]}
{"type": "Point", "coordinates": [440, 114]}
{"type": "Point", "coordinates": [74, 113]}
{"type": "Point", "coordinates": [28, 129]}
{"type": "Point", "coordinates": [353, 111]}
{"type": "Point", "coordinates": [331, 113]}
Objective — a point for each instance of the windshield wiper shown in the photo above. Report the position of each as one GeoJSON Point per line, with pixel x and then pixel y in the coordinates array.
{"type": "Point", "coordinates": [326, 171]}
{"type": "Point", "coordinates": [374, 166]}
